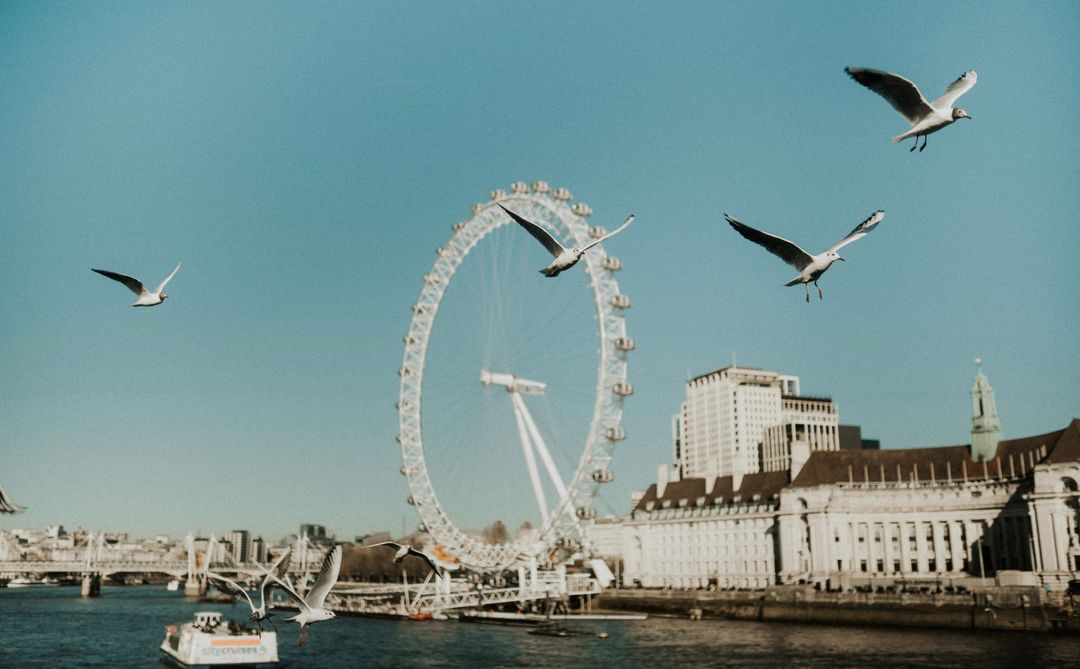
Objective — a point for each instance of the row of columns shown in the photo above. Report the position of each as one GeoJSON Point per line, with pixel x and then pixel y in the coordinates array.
{"type": "Point", "coordinates": [952, 545]}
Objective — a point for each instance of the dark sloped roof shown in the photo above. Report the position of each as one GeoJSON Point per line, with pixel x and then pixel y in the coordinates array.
{"type": "Point", "coordinates": [1068, 446]}
{"type": "Point", "coordinates": [1014, 457]}
{"type": "Point", "coordinates": [763, 484]}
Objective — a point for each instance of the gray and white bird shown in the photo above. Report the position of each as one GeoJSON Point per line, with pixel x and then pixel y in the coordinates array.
{"type": "Point", "coordinates": [564, 258]}
{"type": "Point", "coordinates": [258, 613]}
{"type": "Point", "coordinates": [313, 607]}
{"type": "Point", "coordinates": [146, 298]}
{"type": "Point", "coordinates": [810, 267]}
{"type": "Point", "coordinates": [404, 550]}
{"type": "Point", "coordinates": [924, 117]}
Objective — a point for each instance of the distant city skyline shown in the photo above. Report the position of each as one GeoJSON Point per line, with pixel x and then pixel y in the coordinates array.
{"type": "Point", "coordinates": [304, 162]}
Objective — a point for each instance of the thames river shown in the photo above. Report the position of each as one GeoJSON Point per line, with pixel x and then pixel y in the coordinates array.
{"type": "Point", "coordinates": [55, 627]}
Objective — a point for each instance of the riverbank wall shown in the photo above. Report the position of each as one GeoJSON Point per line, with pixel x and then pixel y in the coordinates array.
{"type": "Point", "coordinates": [1020, 610]}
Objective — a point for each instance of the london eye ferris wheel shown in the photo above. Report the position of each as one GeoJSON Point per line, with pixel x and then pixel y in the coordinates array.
{"type": "Point", "coordinates": [506, 339]}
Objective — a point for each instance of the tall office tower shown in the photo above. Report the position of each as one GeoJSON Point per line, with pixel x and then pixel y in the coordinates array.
{"type": "Point", "coordinates": [240, 540]}
{"type": "Point", "coordinates": [812, 420]}
{"type": "Point", "coordinates": [724, 418]}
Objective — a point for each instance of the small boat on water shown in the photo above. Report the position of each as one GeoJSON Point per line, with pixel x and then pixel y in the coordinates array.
{"type": "Point", "coordinates": [24, 582]}
{"type": "Point", "coordinates": [173, 585]}
{"type": "Point", "coordinates": [208, 641]}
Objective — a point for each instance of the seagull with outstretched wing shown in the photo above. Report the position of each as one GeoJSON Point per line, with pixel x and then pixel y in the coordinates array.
{"type": "Point", "coordinates": [924, 117]}
{"type": "Point", "coordinates": [313, 607]}
{"type": "Point", "coordinates": [146, 298]}
{"type": "Point", "coordinates": [404, 550]}
{"type": "Point", "coordinates": [564, 258]}
{"type": "Point", "coordinates": [810, 267]}
{"type": "Point", "coordinates": [258, 613]}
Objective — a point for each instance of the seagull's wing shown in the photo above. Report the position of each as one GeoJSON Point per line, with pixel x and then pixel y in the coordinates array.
{"type": "Point", "coordinates": [903, 95]}
{"type": "Point", "coordinates": [7, 505]}
{"type": "Point", "coordinates": [287, 587]}
{"type": "Point", "coordinates": [550, 243]}
{"type": "Point", "coordinates": [133, 284]}
{"type": "Point", "coordinates": [962, 85]}
{"type": "Point", "coordinates": [614, 232]}
{"type": "Point", "coordinates": [328, 576]}
{"type": "Point", "coordinates": [860, 231]}
{"type": "Point", "coordinates": [394, 544]}
{"type": "Point", "coordinates": [277, 571]}
{"type": "Point", "coordinates": [230, 587]}
{"type": "Point", "coordinates": [426, 558]}
{"type": "Point", "coordinates": [281, 567]}
{"type": "Point", "coordinates": [161, 286]}
{"type": "Point", "coordinates": [786, 250]}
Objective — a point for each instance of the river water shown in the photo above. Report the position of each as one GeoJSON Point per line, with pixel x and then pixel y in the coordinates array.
{"type": "Point", "coordinates": [56, 628]}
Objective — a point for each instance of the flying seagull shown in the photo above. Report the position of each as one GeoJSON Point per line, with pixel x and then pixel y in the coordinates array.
{"type": "Point", "coordinates": [924, 117]}
{"type": "Point", "coordinates": [404, 551]}
{"type": "Point", "coordinates": [146, 298]}
{"type": "Point", "coordinates": [277, 571]}
{"type": "Point", "coordinates": [564, 258]}
{"type": "Point", "coordinates": [8, 505]}
{"type": "Point", "coordinates": [810, 267]}
{"type": "Point", "coordinates": [312, 608]}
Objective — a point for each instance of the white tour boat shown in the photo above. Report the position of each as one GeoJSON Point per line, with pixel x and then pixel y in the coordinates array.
{"type": "Point", "coordinates": [210, 642]}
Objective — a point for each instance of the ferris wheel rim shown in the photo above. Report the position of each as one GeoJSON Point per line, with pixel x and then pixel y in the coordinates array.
{"type": "Point", "coordinates": [611, 388]}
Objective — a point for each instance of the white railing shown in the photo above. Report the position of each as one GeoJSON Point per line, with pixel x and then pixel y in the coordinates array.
{"type": "Point", "coordinates": [430, 598]}
{"type": "Point", "coordinates": [117, 566]}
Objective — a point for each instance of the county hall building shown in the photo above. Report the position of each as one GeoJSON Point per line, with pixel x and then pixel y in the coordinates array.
{"type": "Point", "coordinates": [802, 510]}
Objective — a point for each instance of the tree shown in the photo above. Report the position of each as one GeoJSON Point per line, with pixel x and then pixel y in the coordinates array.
{"type": "Point", "coordinates": [496, 533]}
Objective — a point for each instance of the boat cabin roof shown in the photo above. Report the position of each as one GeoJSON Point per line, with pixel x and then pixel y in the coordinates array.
{"type": "Point", "coordinates": [207, 618]}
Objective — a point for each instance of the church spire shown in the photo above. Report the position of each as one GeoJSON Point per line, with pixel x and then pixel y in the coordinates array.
{"type": "Point", "coordinates": [985, 425]}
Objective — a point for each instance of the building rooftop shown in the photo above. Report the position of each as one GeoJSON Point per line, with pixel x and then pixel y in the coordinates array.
{"type": "Point", "coordinates": [1067, 448]}
{"type": "Point", "coordinates": [1014, 457]}
{"type": "Point", "coordinates": [763, 484]}
{"type": "Point", "coordinates": [724, 369]}
{"type": "Point", "coordinates": [810, 398]}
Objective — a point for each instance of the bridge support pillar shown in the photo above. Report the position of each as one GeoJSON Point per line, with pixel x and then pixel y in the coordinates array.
{"type": "Point", "coordinates": [194, 587]}
{"type": "Point", "coordinates": [91, 585]}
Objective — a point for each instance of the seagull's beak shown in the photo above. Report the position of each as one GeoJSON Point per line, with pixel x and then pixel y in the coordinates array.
{"type": "Point", "coordinates": [965, 115]}
{"type": "Point", "coordinates": [839, 258]}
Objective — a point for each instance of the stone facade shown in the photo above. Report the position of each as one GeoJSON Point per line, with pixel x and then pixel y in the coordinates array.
{"type": "Point", "coordinates": [856, 518]}
{"type": "Point", "coordinates": [722, 421]}
{"type": "Point", "coordinates": [814, 420]}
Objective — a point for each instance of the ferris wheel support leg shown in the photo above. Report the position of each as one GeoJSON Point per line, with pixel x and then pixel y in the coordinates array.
{"type": "Point", "coordinates": [541, 448]}
{"type": "Point", "coordinates": [530, 459]}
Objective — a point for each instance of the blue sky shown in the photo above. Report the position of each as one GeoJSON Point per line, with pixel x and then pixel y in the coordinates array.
{"type": "Point", "coordinates": [305, 160]}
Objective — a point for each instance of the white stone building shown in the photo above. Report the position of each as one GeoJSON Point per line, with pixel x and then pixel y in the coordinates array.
{"type": "Point", "coordinates": [239, 545]}
{"type": "Point", "coordinates": [814, 420]}
{"type": "Point", "coordinates": [721, 423]}
{"type": "Point", "coordinates": [920, 517]}
{"type": "Point", "coordinates": [604, 535]}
